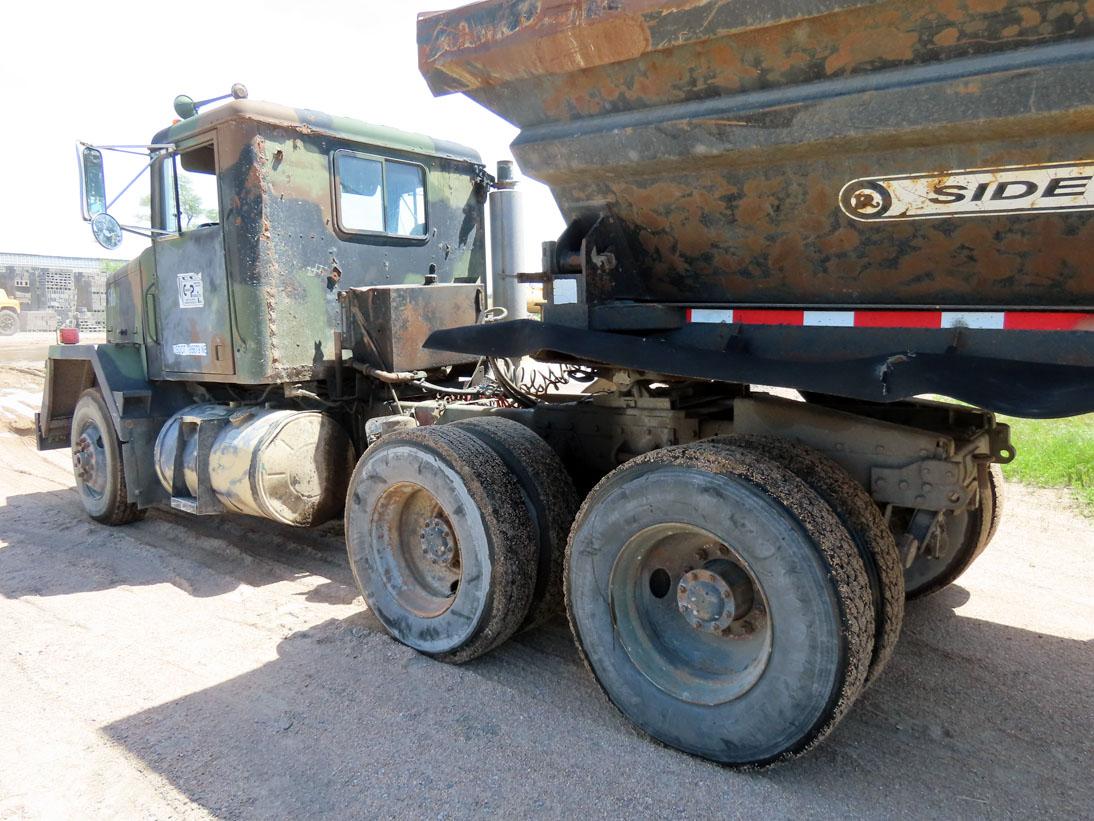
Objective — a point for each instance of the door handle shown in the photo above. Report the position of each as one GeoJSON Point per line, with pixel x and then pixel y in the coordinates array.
{"type": "Point", "coordinates": [151, 321]}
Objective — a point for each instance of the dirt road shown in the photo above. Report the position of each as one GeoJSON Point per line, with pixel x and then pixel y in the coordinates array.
{"type": "Point", "coordinates": [32, 347]}
{"type": "Point", "coordinates": [226, 667]}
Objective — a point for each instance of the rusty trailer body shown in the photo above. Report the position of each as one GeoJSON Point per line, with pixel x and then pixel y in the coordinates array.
{"type": "Point", "coordinates": [838, 164]}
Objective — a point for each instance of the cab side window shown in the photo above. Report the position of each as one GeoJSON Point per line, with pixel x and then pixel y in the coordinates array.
{"type": "Point", "coordinates": [192, 174]}
{"type": "Point", "coordinates": [405, 199]}
{"type": "Point", "coordinates": [380, 196]}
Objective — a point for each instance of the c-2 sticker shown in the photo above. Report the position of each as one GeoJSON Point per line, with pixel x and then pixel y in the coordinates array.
{"type": "Point", "coordinates": [191, 291]}
{"type": "Point", "coordinates": [1016, 189]}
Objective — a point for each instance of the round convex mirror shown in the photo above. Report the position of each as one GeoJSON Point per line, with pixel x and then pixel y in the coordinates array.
{"type": "Point", "coordinates": [107, 231]}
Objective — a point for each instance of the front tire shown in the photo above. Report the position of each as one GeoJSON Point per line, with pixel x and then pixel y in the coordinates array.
{"type": "Point", "coordinates": [720, 603]}
{"type": "Point", "coordinates": [9, 322]}
{"type": "Point", "coordinates": [97, 463]}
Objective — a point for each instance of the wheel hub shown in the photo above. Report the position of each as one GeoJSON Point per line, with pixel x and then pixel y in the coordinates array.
{"type": "Point", "coordinates": [714, 596]}
{"type": "Point", "coordinates": [83, 459]}
{"type": "Point", "coordinates": [705, 600]}
{"type": "Point", "coordinates": [689, 613]}
{"type": "Point", "coordinates": [438, 542]}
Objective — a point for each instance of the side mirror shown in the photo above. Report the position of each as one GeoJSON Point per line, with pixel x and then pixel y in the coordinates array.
{"type": "Point", "coordinates": [107, 231]}
{"type": "Point", "coordinates": [185, 107]}
{"type": "Point", "coordinates": [92, 182]}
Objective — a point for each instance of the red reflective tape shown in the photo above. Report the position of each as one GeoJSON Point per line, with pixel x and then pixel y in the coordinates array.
{"type": "Point", "coordinates": [765, 317]}
{"type": "Point", "coordinates": [1011, 320]}
{"type": "Point", "coordinates": [898, 319]}
{"type": "Point", "coordinates": [1048, 321]}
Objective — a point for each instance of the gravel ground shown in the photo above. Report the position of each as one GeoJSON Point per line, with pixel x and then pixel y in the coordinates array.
{"type": "Point", "coordinates": [187, 668]}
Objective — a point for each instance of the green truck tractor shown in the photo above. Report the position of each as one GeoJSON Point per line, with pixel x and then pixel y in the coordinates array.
{"type": "Point", "coordinates": [750, 200]}
{"type": "Point", "coordinates": [324, 235]}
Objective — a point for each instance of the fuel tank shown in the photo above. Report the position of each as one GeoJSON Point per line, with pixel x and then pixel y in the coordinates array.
{"type": "Point", "coordinates": [891, 153]}
{"type": "Point", "coordinates": [286, 465]}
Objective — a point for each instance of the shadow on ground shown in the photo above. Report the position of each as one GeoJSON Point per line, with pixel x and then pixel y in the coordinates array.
{"type": "Point", "coordinates": [53, 549]}
{"type": "Point", "coordinates": [972, 718]}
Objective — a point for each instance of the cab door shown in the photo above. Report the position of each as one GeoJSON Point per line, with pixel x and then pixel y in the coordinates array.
{"type": "Point", "coordinates": [194, 328]}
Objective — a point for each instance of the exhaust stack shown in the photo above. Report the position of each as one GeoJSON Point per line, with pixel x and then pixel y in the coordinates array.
{"type": "Point", "coordinates": [507, 253]}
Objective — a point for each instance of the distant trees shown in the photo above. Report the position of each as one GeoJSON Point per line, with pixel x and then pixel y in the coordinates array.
{"type": "Point", "coordinates": [191, 206]}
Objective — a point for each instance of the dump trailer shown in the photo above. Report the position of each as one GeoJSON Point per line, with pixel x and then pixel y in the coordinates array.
{"type": "Point", "coordinates": [856, 202]}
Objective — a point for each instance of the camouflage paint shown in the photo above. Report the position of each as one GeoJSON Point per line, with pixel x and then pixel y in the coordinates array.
{"type": "Point", "coordinates": [272, 308]}
{"type": "Point", "coordinates": [719, 135]}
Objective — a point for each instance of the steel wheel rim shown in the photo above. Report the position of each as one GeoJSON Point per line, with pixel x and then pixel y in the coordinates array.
{"type": "Point", "coordinates": [956, 530]}
{"type": "Point", "coordinates": [89, 462]}
{"type": "Point", "coordinates": [416, 550]}
{"type": "Point", "coordinates": [678, 624]}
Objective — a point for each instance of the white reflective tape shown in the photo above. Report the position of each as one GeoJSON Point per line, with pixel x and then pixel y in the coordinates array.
{"type": "Point", "coordinates": [973, 319]}
{"type": "Point", "coordinates": [831, 319]}
{"type": "Point", "coordinates": [710, 315]}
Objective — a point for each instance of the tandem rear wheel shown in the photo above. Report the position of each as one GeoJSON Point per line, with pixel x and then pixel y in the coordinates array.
{"type": "Point", "coordinates": [456, 534]}
{"type": "Point", "coordinates": [720, 602]}
{"type": "Point", "coordinates": [964, 536]}
{"type": "Point", "coordinates": [731, 597]}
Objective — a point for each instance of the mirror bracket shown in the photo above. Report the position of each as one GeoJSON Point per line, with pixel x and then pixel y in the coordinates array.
{"type": "Point", "coordinates": [93, 181]}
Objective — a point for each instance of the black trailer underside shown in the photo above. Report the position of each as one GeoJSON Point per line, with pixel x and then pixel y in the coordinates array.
{"type": "Point", "coordinates": [1013, 372]}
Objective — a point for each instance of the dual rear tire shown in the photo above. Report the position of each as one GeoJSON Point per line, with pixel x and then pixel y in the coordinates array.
{"type": "Point", "coordinates": [732, 598]}
{"type": "Point", "coordinates": [455, 534]}
{"type": "Point", "coordinates": [720, 602]}
{"type": "Point", "coordinates": [965, 536]}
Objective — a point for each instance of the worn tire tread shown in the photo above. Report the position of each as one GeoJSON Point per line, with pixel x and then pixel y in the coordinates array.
{"type": "Point", "coordinates": [496, 493]}
{"type": "Point", "coordinates": [551, 494]}
{"type": "Point", "coordinates": [835, 545]}
{"type": "Point", "coordinates": [863, 520]}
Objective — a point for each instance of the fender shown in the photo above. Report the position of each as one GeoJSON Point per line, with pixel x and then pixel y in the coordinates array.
{"type": "Point", "coordinates": [136, 411]}
{"type": "Point", "coordinates": [116, 369]}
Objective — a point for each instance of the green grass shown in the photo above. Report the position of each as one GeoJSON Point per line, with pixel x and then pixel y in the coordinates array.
{"type": "Point", "coordinates": [1054, 453]}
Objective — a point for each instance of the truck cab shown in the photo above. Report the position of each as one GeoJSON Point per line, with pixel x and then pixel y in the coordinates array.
{"type": "Point", "coordinates": [280, 238]}
{"type": "Point", "coordinates": [261, 215]}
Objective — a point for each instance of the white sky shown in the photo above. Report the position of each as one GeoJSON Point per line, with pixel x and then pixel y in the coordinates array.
{"type": "Point", "coordinates": [107, 72]}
